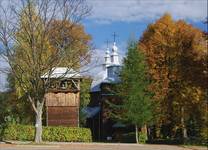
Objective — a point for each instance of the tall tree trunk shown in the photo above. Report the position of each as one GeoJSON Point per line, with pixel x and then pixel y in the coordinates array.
{"type": "Point", "coordinates": [184, 130]}
{"type": "Point", "coordinates": [136, 131]}
{"type": "Point", "coordinates": [158, 130]}
{"type": "Point", "coordinates": [38, 123]}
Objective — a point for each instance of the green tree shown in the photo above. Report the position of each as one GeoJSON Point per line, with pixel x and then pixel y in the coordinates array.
{"type": "Point", "coordinates": [133, 89]}
{"type": "Point", "coordinates": [84, 98]}
{"type": "Point", "coordinates": [12, 109]}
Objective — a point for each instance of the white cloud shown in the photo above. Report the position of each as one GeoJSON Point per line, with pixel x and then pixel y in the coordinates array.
{"type": "Point", "coordinates": [141, 10]}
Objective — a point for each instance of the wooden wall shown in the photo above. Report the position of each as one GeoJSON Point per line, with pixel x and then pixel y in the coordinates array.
{"type": "Point", "coordinates": [62, 109]}
{"type": "Point", "coordinates": [62, 99]}
{"type": "Point", "coordinates": [63, 115]}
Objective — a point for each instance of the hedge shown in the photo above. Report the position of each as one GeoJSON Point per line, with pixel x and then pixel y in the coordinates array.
{"type": "Point", "coordinates": [142, 138]}
{"type": "Point", "coordinates": [59, 133]}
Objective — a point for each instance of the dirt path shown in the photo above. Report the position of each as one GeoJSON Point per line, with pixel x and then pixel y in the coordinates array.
{"type": "Point", "coordinates": [95, 146]}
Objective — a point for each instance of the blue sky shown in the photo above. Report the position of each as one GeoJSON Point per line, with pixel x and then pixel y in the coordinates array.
{"type": "Point", "coordinates": [101, 32]}
{"type": "Point", "coordinates": [126, 17]}
{"type": "Point", "coordinates": [131, 17]}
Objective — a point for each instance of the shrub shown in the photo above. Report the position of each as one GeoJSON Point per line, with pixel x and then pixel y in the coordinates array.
{"type": "Point", "coordinates": [142, 138]}
{"type": "Point", "coordinates": [204, 135]}
{"type": "Point", "coordinates": [1, 131]}
{"type": "Point", "coordinates": [59, 134]}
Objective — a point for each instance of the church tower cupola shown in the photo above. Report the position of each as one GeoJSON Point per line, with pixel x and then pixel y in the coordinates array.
{"type": "Point", "coordinates": [114, 55]}
{"type": "Point", "coordinates": [107, 57]}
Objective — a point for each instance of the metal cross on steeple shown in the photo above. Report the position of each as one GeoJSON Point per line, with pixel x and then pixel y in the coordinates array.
{"type": "Point", "coordinates": [107, 42]}
{"type": "Point", "coordinates": [114, 36]}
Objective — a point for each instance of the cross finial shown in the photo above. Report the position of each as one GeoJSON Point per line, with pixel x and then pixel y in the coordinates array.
{"type": "Point", "coordinates": [114, 36]}
{"type": "Point", "coordinates": [107, 42]}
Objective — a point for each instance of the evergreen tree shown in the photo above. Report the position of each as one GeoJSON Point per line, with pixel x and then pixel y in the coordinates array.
{"type": "Point", "coordinates": [136, 105]}
{"type": "Point", "coordinates": [84, 99]}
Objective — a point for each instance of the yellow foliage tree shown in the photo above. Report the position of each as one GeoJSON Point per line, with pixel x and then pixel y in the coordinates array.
{"type": "Point", "coordinates": [33, 44]}
{"type": "Point", "coordinates": [176, 55]}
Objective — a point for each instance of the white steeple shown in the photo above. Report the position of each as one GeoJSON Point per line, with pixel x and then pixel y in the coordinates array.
{"type": "Point", "coordinates": [114, 55]}
{"type": "Point", "coordinates": [107, 57]}
{"type": "Point", "coordinates": [106, 63]}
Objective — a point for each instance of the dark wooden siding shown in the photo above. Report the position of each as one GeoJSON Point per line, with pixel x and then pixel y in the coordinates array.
{"type": "Point", "coordinates": [95, 98]}
{"type": "Point", "coordinates": [62, 115]}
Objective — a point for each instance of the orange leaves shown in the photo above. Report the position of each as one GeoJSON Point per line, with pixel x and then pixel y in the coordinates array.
{"type": "Point", "coordinates": [166, 43]}
{"type": "Point", "coordinates": [176, 53]}
{"type": "Point", "coordinates": [63, 31]}
{"type": "Point", "coordinates": [72, 38]}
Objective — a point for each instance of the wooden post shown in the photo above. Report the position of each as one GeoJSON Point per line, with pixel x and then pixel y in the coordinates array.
{"type": "Point", "coordinates": [99, 119]}
{"type": "Point", "coordinates": [46, 115]}
{"type": "Point", "coordinates": [136, 133]}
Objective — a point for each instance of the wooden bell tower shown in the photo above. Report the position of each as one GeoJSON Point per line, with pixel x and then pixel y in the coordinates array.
{"type": "Point", "coordinates": [63, 100]}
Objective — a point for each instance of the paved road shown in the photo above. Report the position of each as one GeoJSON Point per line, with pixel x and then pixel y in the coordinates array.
{"type": "Point", "coordinates": [93, 146]}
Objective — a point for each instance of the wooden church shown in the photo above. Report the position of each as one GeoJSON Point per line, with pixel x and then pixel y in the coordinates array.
{"type": "Point", "coordinates": [63, 98]}
{"type": "Point", "coordinates": [98, 119]}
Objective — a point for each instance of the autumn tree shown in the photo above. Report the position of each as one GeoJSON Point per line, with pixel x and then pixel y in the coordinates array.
{"type": "Point", "coordinates": [176, 55]}
{"type": "Point", "coordinates": [31, 48]}
{"type": "Point", "coordinates": [70, 36]}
